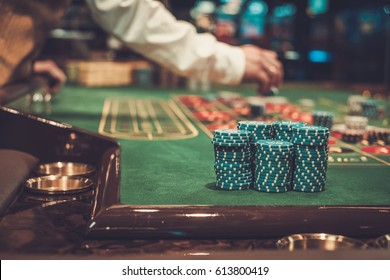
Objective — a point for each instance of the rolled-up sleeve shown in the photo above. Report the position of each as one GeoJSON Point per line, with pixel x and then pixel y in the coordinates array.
{"type": "Point", "coordinates": [148, 28]}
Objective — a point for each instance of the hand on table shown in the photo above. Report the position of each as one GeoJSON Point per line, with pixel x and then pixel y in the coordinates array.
{"type": "Point", "coordinates": [263, 67]}
{"type": "Point", "coordinates": [56, 75]}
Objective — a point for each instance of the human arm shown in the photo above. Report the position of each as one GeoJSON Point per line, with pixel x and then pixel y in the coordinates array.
{"type": "Point", "coordinates": [49, 68]}
{"type": "Point", "coordinates": [148, 28]}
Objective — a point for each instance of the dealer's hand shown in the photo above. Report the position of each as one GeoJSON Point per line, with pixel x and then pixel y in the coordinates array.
{"type": "Point", "coordinates": [263, 67]}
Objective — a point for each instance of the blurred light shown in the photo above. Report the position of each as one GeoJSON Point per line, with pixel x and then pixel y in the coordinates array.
{"type": "Point", "coordinates": [205, 7]}
{"type": "Point", "coordinates": [201, 215]}
{"type": "Point", "coordinates": [199, 254]}
{"type": "Point", "coordinates": [146, 210]}
{"type": "Point", "coordinates": [258, 8]}
{"type": "Point", "coordinates": [71, 34]}
{"type": "Point", "coordinates": [291, 55]}
{"type": "Point", "coordinates": [386, 9]}
{"type": "Point", "coordinates": [205, 22]}
{"type": "Point", "coordinates": [231, 8]}
{"type": "Point", "coordinates": [316, 7]}
{"type": "Point", "coordinates": [286, 10]}
{"type": "Point", "coordinates": [253, 19]}
{"type": "Point", "coordinates": [177, 233]}
{"type": "Point", "coordinates": [367, 21]}
{"type": "Point", "coordinates": [202, 7]}
{"type": "Point", "coordinates": [194, 13]}
{"type": "Point", "coordinates": [319, 56]}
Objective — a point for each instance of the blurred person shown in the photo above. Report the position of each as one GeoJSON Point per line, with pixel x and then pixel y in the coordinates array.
{"type": "Point", "coordinates": [148, 28]}
{"type": "Point", "coordinates": [50, 69]}
{"type": "Point", "coordinates": [24, 28]}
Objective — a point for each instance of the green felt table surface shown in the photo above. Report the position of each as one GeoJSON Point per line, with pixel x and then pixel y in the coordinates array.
{"type": "Point", "coordinates": [180, 172]}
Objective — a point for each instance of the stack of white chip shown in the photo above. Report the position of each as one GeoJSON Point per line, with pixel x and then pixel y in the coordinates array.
{"type": "Point", "coordinates": [356, 122]}
{"type": "Point", "coordinates": [306, 104]}
{"type": "Point", "coordinates": [355, 103]}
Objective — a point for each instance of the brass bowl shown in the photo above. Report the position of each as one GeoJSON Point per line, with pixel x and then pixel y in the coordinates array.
{"type": "Point", "coordinates": [65, 169]}
{"type": "Point", "coordinates": [383, 241]}
{"type": "Point", "coordinates": [57, 185]}
{"type": "Point", "coordinates": [318, 241]}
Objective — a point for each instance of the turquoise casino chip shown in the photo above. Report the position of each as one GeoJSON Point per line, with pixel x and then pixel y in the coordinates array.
{"type": "Point", "coordinates": [231, 132]}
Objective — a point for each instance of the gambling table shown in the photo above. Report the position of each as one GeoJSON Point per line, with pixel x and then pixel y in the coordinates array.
{"type": "Point", "coordinates": [154, 187]}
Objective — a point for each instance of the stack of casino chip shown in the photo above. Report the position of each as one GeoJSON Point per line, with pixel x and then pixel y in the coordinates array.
{"type": "Point", "coordinates": [283, 130]}
{"type": "Point", "coordinates": [355, 104]}
{"type": "Point", "coordinates": [256, 105]}
{"type": "Point", "coordinates": [370, 108]}
{"type": "Point", "coordinates": [273, 166]}
{"type": "Point", "coordinates": [376, 135]}
{"type": "Point", "coordinates": [258, 131]}
{"type": "Point", "coordinates": [356, 122]}
{"type": "Point", "coordinates": [323, 118]}
{"type": "Point", "coordinates": [311, 158]}
{"type": "Point", "coordinates": [352, 135]}
{"type": "Point", "coordinates": [232, 159]}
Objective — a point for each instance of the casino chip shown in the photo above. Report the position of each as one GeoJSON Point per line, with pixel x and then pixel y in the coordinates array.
{"type": "Point", "coordinates": [355, 104]}
{"type": "Point", "coordinates": [249, 156]}
{"type": "Point", "coordinates": [356, 122]}
{"type": "Point", "coordinates": [369, 108]}
{"type": "Point", "coordinates": [232, 164]}
{"type": "Point", "coordinates": [352, 135]}
{"type": "Point", "coordinates": [283, 130]}
{"type": "Point", "coordinates": [273, 169]}
{"type": "Point", "coordinates": [213, 116]}
{"type": "Point", "coordinates": [323, 118]}
{"type": "Point", "coordinates": [310, 158]}
{"type": "Point", "coordinates": [258, 131]}
{"type": "Point", "coordinates": [256, 105]}
{"type": "Point", "coordinates": [376, 134]}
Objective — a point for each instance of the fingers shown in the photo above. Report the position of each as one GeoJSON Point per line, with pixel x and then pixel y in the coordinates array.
{"type": "Point", "coordinates": [273, 69]}
{"type": "Point", "coordinates": [263, 67]}
{"type": "Point", "coordinates": [264, 82]}
{"type": "Point", "coordinates": [51, 69]}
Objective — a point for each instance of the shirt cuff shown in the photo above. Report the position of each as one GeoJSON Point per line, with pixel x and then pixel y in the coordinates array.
{"type": "Point", "coordinates": [230, 64]}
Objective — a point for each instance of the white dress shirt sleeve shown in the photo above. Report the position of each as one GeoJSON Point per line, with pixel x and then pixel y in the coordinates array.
{"type": "Point", "coordinates": [150, 29]}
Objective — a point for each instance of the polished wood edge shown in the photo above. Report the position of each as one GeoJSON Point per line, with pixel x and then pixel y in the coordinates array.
{"type": "Point", "coordinates": [260, 222]}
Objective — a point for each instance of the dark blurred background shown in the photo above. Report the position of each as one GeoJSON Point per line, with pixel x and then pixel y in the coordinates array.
{"type": "Point", "coordinates": [346, 41]}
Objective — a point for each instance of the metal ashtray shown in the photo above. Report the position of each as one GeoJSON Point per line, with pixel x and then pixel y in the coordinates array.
{"type": "Point", "coordinates": [318, 241]}
{"type": "Point", "coordinates": [57, 185]}
{"type": "Point", "coordinates": [383, 241]}
{"type": "Point", "coordinates": [65, 169]}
